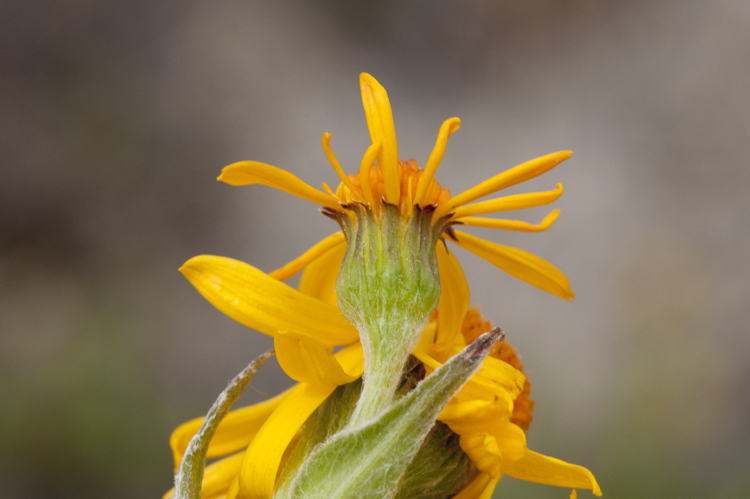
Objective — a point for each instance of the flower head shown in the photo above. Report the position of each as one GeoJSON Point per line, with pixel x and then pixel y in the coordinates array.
{"type": "Point", "coordinates": [406, 187]}
{"type": "Point", "coordinates": [387, 287]}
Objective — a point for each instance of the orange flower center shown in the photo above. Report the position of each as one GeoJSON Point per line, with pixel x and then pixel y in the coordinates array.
{"type": "Point", "coordinates": [409, 174]}
{"type": "Point", "coordinates": [473, 326]}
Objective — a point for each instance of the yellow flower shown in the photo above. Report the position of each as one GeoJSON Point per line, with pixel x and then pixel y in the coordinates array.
{"type": "Point", "coordinates": [306, 323]}
{"type": "Point", "coordinates": [492, 430]}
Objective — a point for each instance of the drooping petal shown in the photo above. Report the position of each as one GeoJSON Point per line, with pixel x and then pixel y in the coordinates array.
{"type": "Point", "coordinates": [254, 172]}
{"type": "Point", "coordinates": [520, 264]}
{"type": "Point", "coordinates": [319, 278]}
{"type": "Point", "coordinates": [508, 178]}
{"type": "Point", "coordinates": [256, 300]}
{"type": "Point", "coordinates": [492, 223]}
{"type": "Point", "coordinates": [507, 203]}
{"type": "Point", "coordinates": [308, 256]}
{"type": "Point", "coordinates": [535, 467]}
{"type": "Point", "coordinates": [235, 431]}
{"type": "Point", "coordinates": [380, 123]}
{"type": "Point", "coordinates": [307, 360]}
{"type": "Point", "coordinates": [481, 487]}
{"type": "Point", "coordinates": [447, 129]}
{"type": "Point", "coordinates": [265, 453]}
{"type": "Point", "coordinates": [217, 477]}
{"type": "Point", "coordinates": [454, 297]}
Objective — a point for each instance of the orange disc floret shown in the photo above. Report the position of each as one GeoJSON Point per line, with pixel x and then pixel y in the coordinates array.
{"type": "Point", "coordinates": [409, 174]}
{"type": "Point", "coordinates": [473, 326]}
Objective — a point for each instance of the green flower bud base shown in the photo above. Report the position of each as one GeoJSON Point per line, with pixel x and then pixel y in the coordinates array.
{"type": "Point", "coordinates": [387, 287]}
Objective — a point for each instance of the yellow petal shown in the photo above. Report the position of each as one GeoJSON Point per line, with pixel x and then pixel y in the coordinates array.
{"type": "Point", "coordinates": [428, 337]}
{"type": "Point", "coordinates": [447, 129]}
{"type": "Point", "coordinates": [235, 432]}
{"type": "Point", "coordinates": [472, 416]}
{"type": "Point", "coordinates": [454, 297]}
{"type": "Point", "coordinates": [253, 172]}
{"type": "Point", "coordinates": [520, 264]}
{"type": "Point", "coordinates": [483, 451]}
{"type": "Point", "coordinates": [307, 360]}
{"type": "Point", "coordinates": [481, 487]}
{"type": "Point", "coordinates": [534, 467]}
{"type": "Point", "coordinates": [380, 123]}
{"type": "Point", "coordinates": [309, 256]}
{"type": "Point", "coordinates": [511, 440]}
{"type": "Point", "coordinates": [515, 202]}
{"type": "Point", "coordinates": [492, 223]}
{"type": "Point", "coordinates": [514, 176]}
{"type": "Point", "coordinates": [265, 453]}
{"type": "Point", "coordinates": [319, 278]}
{"type": "Point", "coordinates": [337, 166]}
{"type": "Point", "coordinates": [256, 300]}
{"type": "Point", "coordinates": [368, 160]}
{"type": "Point", "coordinates": [217, 477]}
{"type": "Point", "coordinates": [234, 488]}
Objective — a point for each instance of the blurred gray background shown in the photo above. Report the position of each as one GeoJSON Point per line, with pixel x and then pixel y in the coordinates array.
{"type": "Point", "coordinates": [118, 116]}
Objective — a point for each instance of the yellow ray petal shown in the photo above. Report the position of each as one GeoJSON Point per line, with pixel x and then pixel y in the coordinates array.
{"type": "Point", "coordinates": [234, 488]}
{"type": "Point", "coordinates": [482, 449]}
{"type": "Point", "coordinates": [253, 172]}
{"type": "Point", "coordinates": [472, 416]}
{"type": "Point", "coordinates": [481, 487]}
{"type": "Point", "coordinates": [520, 264]}
{"type": "Point", "coordinates": [319, 278]}
{"type": "Point", "coordinates": [337, 166]}
{"type": "Point", "coordinates": [217, 477]}
{"type": "Point", "coordinates": [256, 300]}
{"type": "Point", "coordinates": [447, 129]}
{"type": "Point", "coordinates": [307, 360]}
{"type": "Point", "coordinates": [515, 202]}
{"type": "Point", "coordinates": [380, 123]}
{"type": "Point", "coordinates": [308, 256]}
{"type": "Point", "coordinates": [454, 297]}
{"type": "Point", "coordinates": [264, 455]}
{"type": "Point", "coordinates": [511, 440]}
{"type": "Point", "coordinates": [514, 176]}
{"type": "Point", "coordinates": [235, 431]}
{"type": "Point", "coordinates": [492, 223]}
{"type": "Point", "coordinates": [364, 172]}
{"type": "Point", "coordinates": [534, 467]}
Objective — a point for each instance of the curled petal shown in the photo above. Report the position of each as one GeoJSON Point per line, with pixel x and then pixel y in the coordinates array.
{"type": "Point", "coordinates": [447, 129]}
{"type": "Point", "coordinates": [309, 256]}
{"type": "Point", "coordinates": [472, 416]}
{"type": "Point", "coordinates": [507, 203]}
{"type": "Point", "coordinates": [337, 166]}
{"type": "Point", "coordinates": [492, 223]}
{"type": "Point", "coordinates": [454, 297]}
{"type": "Point", "coordinates": [307, 360]}
{"type": "Point", "coordinates": [520, 264]}
{"type": "Point", "coordinates": [256, 300]}
{"type": "Point", "coordinates": [482, 449]}
{"type": "Point", "coordinates": [534, 467]}
{"type": "Point", "coordinates": [254, 172]}
{"type": "Point", "coordinates": [508, 178]}
{"type": "Point", "coordinates": [266, 452]}
{"type": "Point", "coordinates": [380, 123]}
{"type": "Point", "coordinates": [368, 160]}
